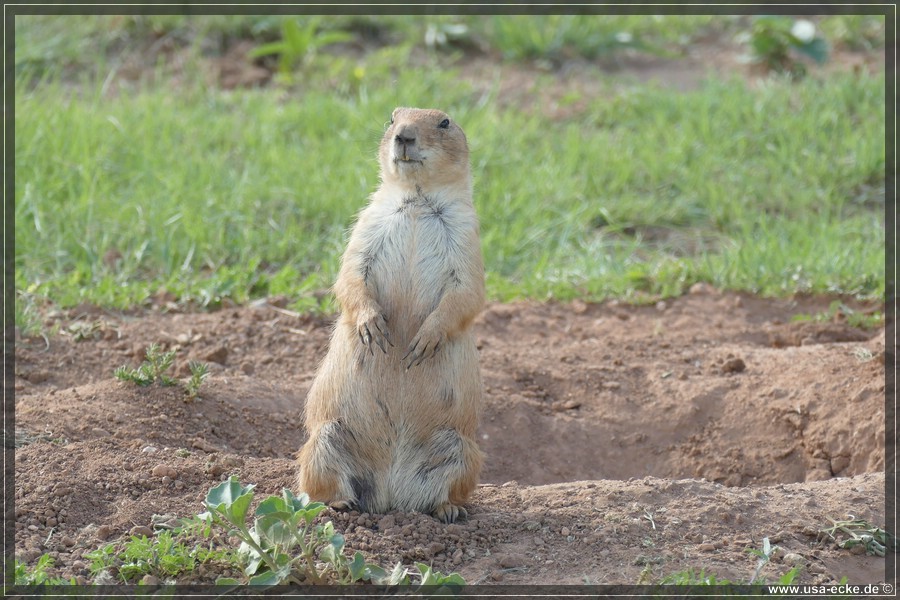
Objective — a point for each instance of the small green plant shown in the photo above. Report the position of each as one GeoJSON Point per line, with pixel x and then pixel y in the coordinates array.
{"type": "Point", "coordinates": [299, 43]}
{"type": "Point", "coordinates": [153, 369]}
{"type": "Point", "coordinates": [284, 546]}
{"type": "Point", "coordinates": [163, 556]}
{"type": "Point", "coordinates": [851, 532]}
{"type": "Point", "coordinates": [692, 578]}
{"type": "Point", "coordinates": [38, 574]}
{"type": "Point", "coordinates": [199, 372]}
{"type": "Point", "coordinates": [764, 556]}
{"type": "Point", "coordinates": [101, 559]}
{"type": "Point", "coordinates": [773, 38]}
{"type": "Point", "coordinates": [838, 311]}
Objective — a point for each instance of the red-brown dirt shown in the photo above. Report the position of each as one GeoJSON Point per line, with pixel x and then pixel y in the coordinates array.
{"type": "Point", "coordinates": [624, 442]}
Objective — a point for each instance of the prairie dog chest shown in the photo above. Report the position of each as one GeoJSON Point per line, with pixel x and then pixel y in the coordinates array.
{"type": "Point", "coordinates": [414, 245]}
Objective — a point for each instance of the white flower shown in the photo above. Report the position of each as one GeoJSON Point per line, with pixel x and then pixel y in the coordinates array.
{"type": "Point", "coordinates": [803, 30]}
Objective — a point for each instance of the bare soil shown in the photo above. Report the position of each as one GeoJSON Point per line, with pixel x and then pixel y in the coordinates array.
{"type": "Point", "coordinates": [624, 442]}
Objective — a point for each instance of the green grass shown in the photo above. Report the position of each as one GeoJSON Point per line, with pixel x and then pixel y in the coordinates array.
{"type": "Point", "coordinates": [216, 194]}
{"type": "Point", "coordinates": [93, 42]}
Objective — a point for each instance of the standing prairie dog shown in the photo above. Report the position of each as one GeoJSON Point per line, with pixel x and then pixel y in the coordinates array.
{"type": "Point", "coordinates": [392, 412]}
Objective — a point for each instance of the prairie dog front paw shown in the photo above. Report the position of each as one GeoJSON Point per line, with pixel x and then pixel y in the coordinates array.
{"type": "Point", "coordinates": [425, 344]}
{"type": "Point", "coordinates": [372, 327]}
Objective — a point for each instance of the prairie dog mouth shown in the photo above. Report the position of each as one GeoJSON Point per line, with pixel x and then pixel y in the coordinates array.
{"type": "Point", "coordinates": [407, 160]}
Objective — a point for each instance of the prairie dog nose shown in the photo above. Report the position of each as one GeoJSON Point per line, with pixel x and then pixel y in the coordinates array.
{"type": "Point", "coordinates": [406, 135]}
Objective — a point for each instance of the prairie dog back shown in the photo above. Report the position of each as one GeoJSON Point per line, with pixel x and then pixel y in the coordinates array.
{"type": "Point", "coordinates": [392, 413]}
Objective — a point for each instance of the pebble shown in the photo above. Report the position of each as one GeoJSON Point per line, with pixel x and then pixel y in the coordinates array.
{"type": "Point", "coordinates": [497, 575]}
{"type": "Point", "coordinates": [140, 530]}
{"type": "Point", "coordinates": [164, 471]}
{"type": "Point", "coordinates": [707, 547]}
{"type": "Point", "coordinates": [701, 288]}
{"type": "Point", "coordinates": [816, 568]}
{"type": "Point", "coordinates": [733, 365]}
{"type": "Point", "coordinates": [792, 558]}
{"type": "Point", "coordinates": [565, 405]}
{"type": "Point", "coordinates": [68, 541]}
{"type": "Point", "coordinates": [150, 580]}
{"type": "Point", "coordinates": [217, 355]}
{"type": "Point", "coordinates": [510, 561]}
{"type": "Point", "coordinates": [387, 522]}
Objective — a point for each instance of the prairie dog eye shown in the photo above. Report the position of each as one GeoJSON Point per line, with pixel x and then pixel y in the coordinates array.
{"type": "Point", "coordinates": [444, 124]}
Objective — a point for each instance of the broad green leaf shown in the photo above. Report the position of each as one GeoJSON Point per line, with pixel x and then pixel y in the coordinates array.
{"type": "Point", "coordinates": [328, 554]}
{"type": "Point", "coordinates": [357, 567]}
{"type": "Point", "coordinates": [267, 49]}
{"type": "Point", "coordinates": [231, 499]}
{"type": "Point", "coordinates": [275, 529]}
{"type": "Point", "coordinates": [816, 49]}
{"type": "Point", "coordinates": [253, 564]}
{"type": "Point", "coordinates": [311, 511]}
{"type": "Point", "coordinates": [435, 578]}
{"type": "Point", "coordinates": [227, 581]}
{"type": "Point", "coordinates": [273, 504]}
{"type": "Point", "coordinates": [296, 502]}
{"type": "Point", "coordinates": [332, 551]}
{"type": "Point", "coordinates": [249, 553]}
{"type": "Point", "coordinates": [327, 530]}
{"type": "Point", "coordinates": [399, 576]}
{"type": "Point", "coordinates": [296, 39]}
{"type": "Point", "coordinates": [372, 572]}
{"type": "Point", "coordinates": [265, 578]}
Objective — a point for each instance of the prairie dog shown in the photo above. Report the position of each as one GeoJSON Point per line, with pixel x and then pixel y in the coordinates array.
{"type": "Point", "coordinates": [392, 412]}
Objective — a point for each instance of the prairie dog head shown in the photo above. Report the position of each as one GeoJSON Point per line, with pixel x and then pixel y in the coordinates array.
{"type": "Point", "coordinates": [424, 148]}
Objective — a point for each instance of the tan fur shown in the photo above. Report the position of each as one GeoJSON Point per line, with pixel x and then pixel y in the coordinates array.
{"type": "Point", "coordinates": [393, 410]}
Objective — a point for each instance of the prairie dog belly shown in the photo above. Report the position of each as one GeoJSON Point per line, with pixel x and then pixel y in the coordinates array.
{"type": "Point", "coordinates": [412, 260]}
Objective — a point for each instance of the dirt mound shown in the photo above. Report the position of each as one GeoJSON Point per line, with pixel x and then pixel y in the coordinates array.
{"type": "Point", "coordinates": [669, 434]}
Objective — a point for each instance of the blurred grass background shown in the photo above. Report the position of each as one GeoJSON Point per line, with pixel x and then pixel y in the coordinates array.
{"type": "Point", "coordinates": [137, 171]}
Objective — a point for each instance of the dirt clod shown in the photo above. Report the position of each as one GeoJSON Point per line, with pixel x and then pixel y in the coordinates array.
{"type": "Point", "coordinates": [733, 365]}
